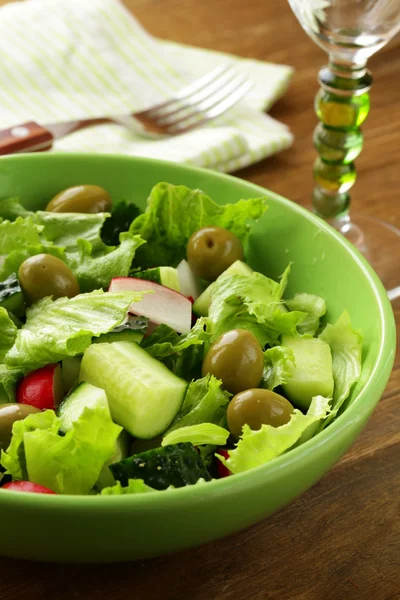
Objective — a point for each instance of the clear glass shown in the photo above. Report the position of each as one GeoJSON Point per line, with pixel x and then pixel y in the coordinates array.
{"type": "Point", "coordinates": [350, 31]}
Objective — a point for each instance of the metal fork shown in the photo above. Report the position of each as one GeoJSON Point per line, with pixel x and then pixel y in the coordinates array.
{"type": "Point", "coordinates": [200, 102]}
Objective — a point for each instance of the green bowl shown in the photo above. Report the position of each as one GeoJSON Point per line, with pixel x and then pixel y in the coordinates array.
{"type": "Point", "coordinates": [107, 528]}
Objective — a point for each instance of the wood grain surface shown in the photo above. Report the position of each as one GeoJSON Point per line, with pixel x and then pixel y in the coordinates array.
{"type": "Point", "coordinates": [341, 540]}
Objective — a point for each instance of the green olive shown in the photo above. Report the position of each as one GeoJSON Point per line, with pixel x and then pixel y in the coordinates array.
{"type": "Point", "coordinates": [211, 250]}
{"type": "Point", "coordinates": [45, 275]}
{"type": "Point", "coordinates": [9, 414]}
{"type": "Point", "coordinates": [257, 407]}
{"type": "Point", "coordinates": [82, 199]}
{"type": "Point", "coordinates": [237, 359]}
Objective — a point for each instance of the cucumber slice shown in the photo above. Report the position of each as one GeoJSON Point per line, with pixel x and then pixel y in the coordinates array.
{"type": "Point", "coordinates": [177, 465]}
{"type": "Point", "coordinates": [202, 304]}
{"type": "Point", "coordinates": [311, 374]}
{"type": "Point", "coordinates": [84, 395]}
{"type": "Point", "coordinates": [106, 478]}
{"type": "Point", "coordinates": [143, 395]}
{"type": "Point", "coordinates": [167, 276]}
{"type": "Point", "coordinates": [11, 297]}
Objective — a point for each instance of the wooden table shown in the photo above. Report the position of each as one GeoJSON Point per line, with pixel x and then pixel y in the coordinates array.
{"type": "Point", "coordinates": [341, 540]}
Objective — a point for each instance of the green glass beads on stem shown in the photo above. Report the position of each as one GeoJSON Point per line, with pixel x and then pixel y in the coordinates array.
{"type": "Point", "coordinates": [342, 105]}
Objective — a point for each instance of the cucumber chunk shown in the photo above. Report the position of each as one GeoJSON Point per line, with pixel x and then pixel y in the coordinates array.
{"type": "Point", "coordinates": [202, 304]}
{"type": "Point", "coordinates": [143, 395]}
{"type": "Point", "coordinates": [83, 396]}
{"type": "Point", "coordinates": [11, 297]}
{"type": "Point", "coordinates": [177, 465]}
{"type": "Point", "coordinates": [311, 374]}
{"type": "Point", "coordinates": [70, 367]}
{"type": "Point", "coordinates": [167, 276]}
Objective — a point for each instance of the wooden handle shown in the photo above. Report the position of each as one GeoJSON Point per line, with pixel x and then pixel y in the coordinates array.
{"type": "Point", "coordinates": [27, 137]}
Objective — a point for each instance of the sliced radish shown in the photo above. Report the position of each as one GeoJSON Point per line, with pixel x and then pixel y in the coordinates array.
{"type": "Point", "coordinates": [162, 306]}
{"type": "Point", "coordinates": [26, 486]}
{"type": "Point", "coordinates": [42, 388]}
{"type": "Point", "coordinates": [189, 283]}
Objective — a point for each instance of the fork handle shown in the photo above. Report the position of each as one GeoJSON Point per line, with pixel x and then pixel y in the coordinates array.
{"type": "Point", "coordinates": [27, 137]}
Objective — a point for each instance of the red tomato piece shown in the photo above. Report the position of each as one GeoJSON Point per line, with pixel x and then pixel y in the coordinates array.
{"type": "Point", "coordinates": [41, 388]}
{"type": "Point", "coordinates": [26, 486]}
{"type": "Point", "coordinates": [222, 470]}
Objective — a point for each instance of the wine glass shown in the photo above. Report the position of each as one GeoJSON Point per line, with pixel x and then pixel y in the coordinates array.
{"type": "Point", "coordinates": [350, 31]}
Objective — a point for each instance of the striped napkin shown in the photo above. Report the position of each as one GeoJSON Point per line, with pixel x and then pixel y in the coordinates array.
{"type": "Point", "coordinates": [86, 58]}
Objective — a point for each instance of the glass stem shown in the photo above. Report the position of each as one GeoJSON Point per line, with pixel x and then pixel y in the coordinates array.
{"type": "Point", "coordinates": [342, 105]}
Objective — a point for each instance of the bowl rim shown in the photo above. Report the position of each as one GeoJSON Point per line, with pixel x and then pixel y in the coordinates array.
{"type": "Point", "coordinates": [283, 465]}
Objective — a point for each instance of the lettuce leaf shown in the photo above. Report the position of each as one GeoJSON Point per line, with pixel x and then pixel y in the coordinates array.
{"type": "Point", "coordinates": [13, 460]}
{"type": "Point", "coordinates": [276, 372]}
{"type": "Point", "coordinates": [135, 486]}
{"type": "Point", "coordinates": [65, 229]}
{"type": "Point", "coordinates": [182, 354]}
{"type": "Point", "coordinates": [8, 332]}
{"type": "Point", "coordinates": [65, 327]}
{"type": "Point", "coordinates": [252, 302]}
{"type": "Point", "coordinates": [314, 306]}
{"type": "Point", "coordinates": [173, 213]}
{"type": "Point", "coordinates": [97, 270]}
{"type": "Point", "coordinates": [256, 448]}
{"type": "Point", "coordinates": [8, 383]}
{"type": "Point", "coordinates": [205, 402]}
{"type": "Point", "coordinates": [71, 464]}
{"type": "Point", "coordinates": [21, 239]}
{"type": "Point", "coordinates": [16, 236]}
{"type": "Point", "coordinates": [92, 261]}
{"type": "Point", "coordinates": [11, 209]}
{"type": "Point", "coordinates": [198, 435]}
{"type": "Point", "coordinates": [122, 215]}
{"type": "Point", "coordinates": [346, 347]}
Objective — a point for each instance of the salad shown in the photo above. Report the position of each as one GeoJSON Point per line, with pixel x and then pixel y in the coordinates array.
{"type": "Point", "coordinates": [139, 351]}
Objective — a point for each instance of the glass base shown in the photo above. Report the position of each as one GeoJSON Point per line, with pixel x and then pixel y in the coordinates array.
{"type": "Point", "coordinates": [379, 242]}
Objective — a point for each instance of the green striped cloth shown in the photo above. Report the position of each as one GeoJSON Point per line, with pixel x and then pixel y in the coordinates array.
{"type": "Point", "coordinates": [85, 58]}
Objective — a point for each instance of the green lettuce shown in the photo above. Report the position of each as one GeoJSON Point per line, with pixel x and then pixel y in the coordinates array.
{"type": "Point", "coordinates": [91, 260]}
{"type": "Point", "coordinates": [174, 213]}
{"type": "Point", "coordinates": [11, 209]}
{"type": "Point", "coordinates": [198, 435]}
{"type": "Point", "coordinates": [16, 236]}
{"type": "Point", "coordinates": [65, 229]}
{"type": "Point", "coordinates": [14, 459]}
{"type": "Point", "coordinates": [314, 306]}
{"type": "Point", "coordinates": [122, 215]}
{"type": "Point", "coordinates": [205, 402]}
{"type": "Point", "coordinates": [252, 302]}
{"type": "Point", "coordinates": [256, 448]}
{"type": "Point", "coordinates": [8, 332]}
{"type": "Point", "coordinates": [182, 354]}
{"type": "Point", "coordinates": [65, 327]}
{"type": "Point", "coordinates": [276, 367]}
{"type": "Point", "coordinates": [71, 464]}
{"type": "Point", "coordinates": [68, 464]}
{"type": "Point", "coordinates": [135, 486]}
{"type": "Point", "coordinates": [8, 383]}
{"type": "Point", "coordinates": [346, 348]}
{"type": "Point", "coordinates": [97, 270]}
